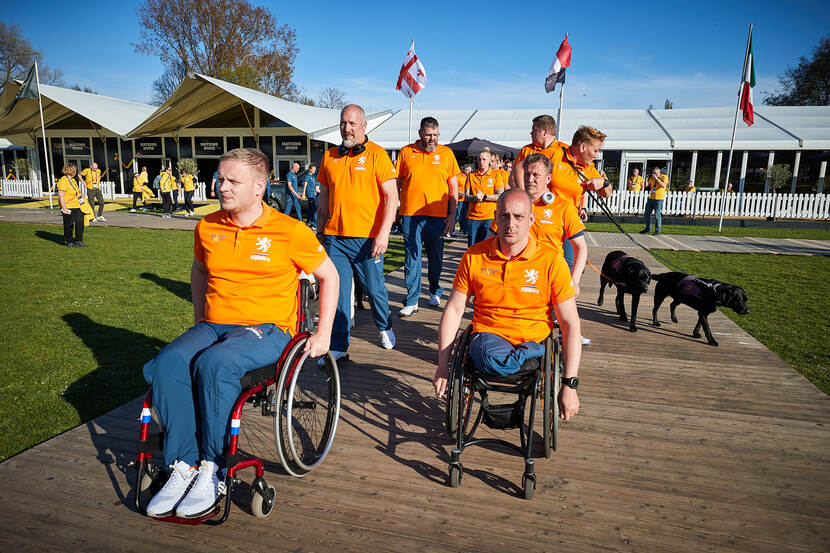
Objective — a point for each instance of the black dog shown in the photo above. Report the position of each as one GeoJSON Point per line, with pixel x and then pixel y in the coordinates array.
{"type": "Point", "coordinates": [631, 276]}
{"type": "Point", "coordinates": [702, 294]}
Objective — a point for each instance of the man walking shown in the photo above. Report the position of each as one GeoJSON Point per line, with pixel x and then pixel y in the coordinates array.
{"type": "Point", "coordinates": [657, 186]}
{"type": "Point", "coordinates": [92, 178]}
{"type": "Point", "coordinates": [427, 186]}
{"type": "Point", "coordinates": [292, 194]}
{"type": "Point", "coordinates": [358, 200]}
{"type": "Point", "coordinates": [310, 190]}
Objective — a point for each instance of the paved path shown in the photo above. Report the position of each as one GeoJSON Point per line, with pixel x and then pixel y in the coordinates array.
{"type": "Point", "coordinates": [678, 447]}
{"type": "Point", "coordinates": [595, 239]}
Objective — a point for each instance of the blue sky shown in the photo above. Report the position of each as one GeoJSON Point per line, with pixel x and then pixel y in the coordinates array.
{"type": "Point", "coordinates": [477, 54]}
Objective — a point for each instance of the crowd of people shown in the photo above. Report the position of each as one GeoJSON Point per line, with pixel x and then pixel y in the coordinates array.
{"type": "Point", "coordinates": [521, 271]}
{"type": "Point", "coordinates": [167, 188]}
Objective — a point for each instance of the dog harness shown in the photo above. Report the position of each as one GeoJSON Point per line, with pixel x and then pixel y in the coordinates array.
{"type": "Point", "coordinates": [616, 265]}
{"type": "Point", "coordinates": [689, 287]}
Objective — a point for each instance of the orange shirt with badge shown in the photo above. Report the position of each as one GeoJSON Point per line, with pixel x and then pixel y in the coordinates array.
{"type": "Point", "coordinates": [553, 223]}
{"type": "Point", "coordinates": [487, 183]}
{"type": "Point", "coordinates": [548, 152]}
{"type": "Point", "coordinates": [253, 271]}
{"type": "Point", "coordinates": [514, 297]}
{"type": "Point", "coordinates": [354, 185]}
{"type": "Point", "coordinates": [565, 182]}
{"type": "Point", "coordinates": [423, 180]}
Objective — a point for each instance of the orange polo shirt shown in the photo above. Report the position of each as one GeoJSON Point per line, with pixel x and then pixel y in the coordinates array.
{"type": "Point", "coordinates": [531, 148]}
{"type": "Point", "coordinates": [354, 183]}
{"type": "Point", "coordinates": [513, 297]}
{"type": "Point", "coordinates": [253, 271]}
{"type": "Point", "coordinates": [554, 223]}
{"type": "Point", "coordinates": [488, 183]}
{"type": "Point", "coordinates": [565, 182]}
{"type": "Point", "coordinates": [462, 181]}
{"type": "Point", "coordinates": [423, 180]}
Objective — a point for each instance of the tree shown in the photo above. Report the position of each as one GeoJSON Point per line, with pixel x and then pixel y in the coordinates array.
{"type": "Point", "coordinates": [668, 104]}
{"type": "Point", "coordinates": [808, 83]}
{"type": "Point", "coordinates": [779, 175]}
{"type": "Point", "coordinates": [227, 39]}
{"type": "Point", "coordinates": [17, 56]}
{"type": "Point", "coordinates": [87, 89]}
{"type": "Point", "coordinates": [331, 98]}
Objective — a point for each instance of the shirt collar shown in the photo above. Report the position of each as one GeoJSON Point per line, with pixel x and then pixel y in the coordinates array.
{"type": "Point", "coordinates": [261, 221]}
{"type": "Point", "coordinates": [570, 157]}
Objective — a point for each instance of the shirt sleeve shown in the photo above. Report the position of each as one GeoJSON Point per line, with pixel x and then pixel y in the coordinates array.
{"type": "Point", "coordinates": [562, 287]}
{"type": "Point", "coordinates": [323, 174]}
{"type": "Point", "coordinates": [571, 222]}
{"type": "Point", "coordinates": [384, 170]}
{"type": "Point", "coordinates": [198, 249]}
{"type": "Point", "coordinates": [306, 251]}
{"type": "Point", "coordinates": [461, 282]}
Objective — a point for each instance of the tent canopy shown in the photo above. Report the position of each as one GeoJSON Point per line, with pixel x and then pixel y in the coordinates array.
{"type": "Point", "coordinates": [472, 146]}
{"type": "Point", "coordinates": [22, 125]}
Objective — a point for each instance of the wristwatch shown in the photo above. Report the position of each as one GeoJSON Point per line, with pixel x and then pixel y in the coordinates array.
{"type": "Point", "coordinates": [572, 382]}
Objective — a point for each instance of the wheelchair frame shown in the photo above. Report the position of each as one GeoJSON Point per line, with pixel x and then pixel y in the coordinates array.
{"type": "Point", "coordinates": [542, 380]}
{"type": "Point", "coordinates": [279, 403]}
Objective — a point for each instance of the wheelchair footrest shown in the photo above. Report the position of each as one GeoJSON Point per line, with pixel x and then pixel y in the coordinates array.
{"type": "Point", "coordinates": [503, 416]}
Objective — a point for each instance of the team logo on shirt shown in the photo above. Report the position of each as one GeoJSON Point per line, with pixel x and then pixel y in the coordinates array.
{"type": "Point", "coordinates": [263, 244]}
{"type": "Point", "coordinates": [437, 159]}
{"type": "Point", "coordinates": [361, 164]}
{"type": "Point", "coordinates": [216, 237]}
{"type": "Point", "coordinates": [547, 213]}
{"type": "Point", "coordinates": [531, 276]}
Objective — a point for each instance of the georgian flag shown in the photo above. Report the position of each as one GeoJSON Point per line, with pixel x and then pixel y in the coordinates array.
{"type": "Point", "coordinates": [749, 84]}
{"type": "Point", "coordinates": [557, 68]}
{"type": "Point", "coordinates": [413, 77]}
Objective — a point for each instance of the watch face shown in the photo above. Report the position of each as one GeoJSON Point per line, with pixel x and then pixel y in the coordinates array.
{"type": "Point", "coordinates": [572, 382]}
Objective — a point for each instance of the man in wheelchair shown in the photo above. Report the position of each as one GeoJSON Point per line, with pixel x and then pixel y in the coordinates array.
{"type": "Point", "coordinates": [514, 282]}
{"type": "Point", "coordinates": [244, 279]}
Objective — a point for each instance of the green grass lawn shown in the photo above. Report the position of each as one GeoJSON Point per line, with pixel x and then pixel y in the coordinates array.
{"type": "Point", "coordinates": [700, 230]}
{"type": "Point", "coordinates": [788, 303]}
{"type": "Point", "coordinates": [81, 322]}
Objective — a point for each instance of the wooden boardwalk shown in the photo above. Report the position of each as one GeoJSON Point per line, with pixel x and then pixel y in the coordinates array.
{"type": "Point", "coordinates": [678, 447]}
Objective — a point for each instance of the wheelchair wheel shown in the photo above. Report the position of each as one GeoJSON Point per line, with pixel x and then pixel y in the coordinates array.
{"type": "Point", "coordinates": [548, 399]}
{"type": "Point", "coordinates": [456, 387]}
{"type": "Point", "coordinates": [556, 389]}
{"type": "Point", "coordinates": [261, 506]}
{"type": "Point", "coordinates": [306, 293]}
{"type": "Point", "coordinates": [308, 406]}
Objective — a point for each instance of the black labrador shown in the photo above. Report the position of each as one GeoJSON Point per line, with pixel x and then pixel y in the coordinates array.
{"type": "Point", "coordinates": [702, 294]}
{"type": "Point", "coordinates": [630, 276]}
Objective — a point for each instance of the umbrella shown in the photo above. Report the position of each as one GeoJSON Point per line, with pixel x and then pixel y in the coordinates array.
{"type": "Point", "coordinates": [471, 147]}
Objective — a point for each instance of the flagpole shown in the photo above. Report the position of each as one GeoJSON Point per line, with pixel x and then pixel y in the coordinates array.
{"type": "Point", "coordinates": [734, 129]}
{"type": "Point", "coordinates": [410, 121]}
{"type": "Point", "coordinates": [43, 131]}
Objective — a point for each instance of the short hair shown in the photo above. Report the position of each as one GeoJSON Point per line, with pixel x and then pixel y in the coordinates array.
{"type": "Point", "coordinates": [252, 157]}
{"type": "Point", "coordinates": [430, 122]}
{"type": "Point", "coordinates": [353, 106]}
{"type": "Point", "coordinates": [485, 150]}
{"type": "Point", "coordinates": [546, 122]}
{"type": "Point", "coordinates": [587, 134]}
{"type": "Point", "coordinates": [69, 169]}
{"type": "Point", "coordinates": [467, 167]}
{"type": "Point", "coordinates": [312, 165]}
{"type": "Point", "coordinates": [511, 192]}
{"type": "Point", "coordinates": [539, 158]}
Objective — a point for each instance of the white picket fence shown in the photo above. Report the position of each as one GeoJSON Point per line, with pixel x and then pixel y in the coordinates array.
{"type": "Point", "coordinates": [703, 204]}
{"type": "Point", "coordinates": [13, 188]}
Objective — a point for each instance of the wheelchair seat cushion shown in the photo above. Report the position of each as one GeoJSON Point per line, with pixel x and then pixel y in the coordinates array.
{"type": "Point", "coordinates": [258, 375]}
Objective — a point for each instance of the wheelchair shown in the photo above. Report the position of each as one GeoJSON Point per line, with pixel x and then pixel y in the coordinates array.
{"type": "Point", "coordinates": [302, 398]}
{"type": "Point", "coordinates": [538, 378]}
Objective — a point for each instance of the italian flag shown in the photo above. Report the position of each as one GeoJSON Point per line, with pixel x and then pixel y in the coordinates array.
{"type": "Point", "coordinates": [749, 84]}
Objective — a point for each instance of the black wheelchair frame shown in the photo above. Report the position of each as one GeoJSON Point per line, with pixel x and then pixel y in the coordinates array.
{"type": "Point", "coordinates": [282, 390]}
{"type": "Point", "coordinates": [536, 378]}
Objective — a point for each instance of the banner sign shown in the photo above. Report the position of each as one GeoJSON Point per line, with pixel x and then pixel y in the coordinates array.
{"type": "Point", "coordinates": [76, 146]}
{"type": "Point", "coordinates": [209, 146]}
{"type": "Point", "coordinates": [148, 146]}
{"type": "Point", "coordinates": [291, 145]}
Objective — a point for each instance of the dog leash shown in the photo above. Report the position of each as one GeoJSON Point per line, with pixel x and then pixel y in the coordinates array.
{"type": "Point", "coordinates": [603, 274]}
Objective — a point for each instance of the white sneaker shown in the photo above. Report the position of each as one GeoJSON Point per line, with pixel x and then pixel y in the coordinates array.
{"type": "Point", "coordinates": [585, 341]}
{"type": "Point", "coordinates": [132, 211]}
{"type": "Point", "coordinates": [387, 339]}
{"type": "Point", "coordinates": [102, 219]}
{"type": "Point", "coordinates": [205, 493]}
{"type": "Point", "coordinates": [165, 501]}
{"type": "Point", "coordinates": [408, 310]}
{"type": "Point", "coordinates": [338, 356]}
{"type": "Point", "coordinates": [435, 299]}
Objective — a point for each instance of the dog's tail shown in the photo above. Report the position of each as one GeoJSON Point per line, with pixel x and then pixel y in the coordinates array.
{"type": "Point", "coordinates": [660, 276]}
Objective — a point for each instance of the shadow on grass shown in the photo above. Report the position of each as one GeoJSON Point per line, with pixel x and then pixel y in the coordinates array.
{"type": "Point", "coordinates": [119, 355]}
{"type": "Point", "coordinates": [50, 236]}
{"type": "Point", "coordinates": [176, 287]}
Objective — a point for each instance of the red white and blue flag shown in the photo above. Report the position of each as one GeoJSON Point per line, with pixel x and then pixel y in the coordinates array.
{"type": "Point", "coordinates": [413, 77]}
{"type": "Point", "coordinates": [557, 68]}
{"type": "Point", "coordinates": [749, 84]}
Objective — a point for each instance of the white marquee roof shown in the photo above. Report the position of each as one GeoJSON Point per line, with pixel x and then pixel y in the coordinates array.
{"type": "Point", "coordinates": [22, 125]}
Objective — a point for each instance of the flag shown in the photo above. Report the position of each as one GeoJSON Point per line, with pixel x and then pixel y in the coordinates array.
{"type": "Point", "coordinates": [749, 84]}
{"type": "Point", "coordinates": [413, 77]}
{"type": "Point", "coordinates": [557, 68]}
{"type": "Point", "coordinates": [28, 90]}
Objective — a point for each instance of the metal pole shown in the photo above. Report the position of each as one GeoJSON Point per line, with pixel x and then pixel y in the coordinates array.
{"type": "Point", "coordinates": [410, 120]}
{"type": "Point", "coordinates": [45, 146]}
{"type": "Point", "coordinates": [559, 113]}
{"type": "Point", "coordinates": [734, 128]}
